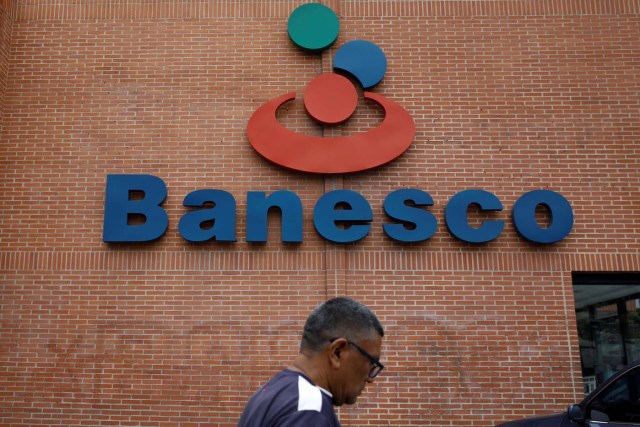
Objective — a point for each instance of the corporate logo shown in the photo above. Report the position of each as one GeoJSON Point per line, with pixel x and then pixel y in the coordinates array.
{"type": "Point", "coordinates": [133, 203]}
{"type": "Point", "coordinates": [331, 99]}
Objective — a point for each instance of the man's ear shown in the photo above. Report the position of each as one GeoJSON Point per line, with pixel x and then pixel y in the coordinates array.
{"type": "Point", "coordinates": [336, 350]}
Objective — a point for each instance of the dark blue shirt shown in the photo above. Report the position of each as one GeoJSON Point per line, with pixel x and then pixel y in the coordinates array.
{"type": "Point", "coordinates": [289, 399]}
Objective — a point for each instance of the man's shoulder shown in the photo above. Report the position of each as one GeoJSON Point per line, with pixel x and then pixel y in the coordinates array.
{"type": "Point", "coordinates": [284, 381]}
{"type": "Point", "coordinates": [290, 399]}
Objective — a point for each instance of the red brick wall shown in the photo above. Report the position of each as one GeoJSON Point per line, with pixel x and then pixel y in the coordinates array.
{"type": "Point", "coordinates": [7, 11]}
{"type": "Point", "coordinates": [506, 96]}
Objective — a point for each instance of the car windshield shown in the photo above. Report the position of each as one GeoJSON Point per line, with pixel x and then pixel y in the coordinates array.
{"type": "Point", "coordinates": [620, 401]}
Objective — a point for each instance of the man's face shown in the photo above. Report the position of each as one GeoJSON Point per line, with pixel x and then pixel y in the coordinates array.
{"type": "Point", "coordinates": [353, 375]}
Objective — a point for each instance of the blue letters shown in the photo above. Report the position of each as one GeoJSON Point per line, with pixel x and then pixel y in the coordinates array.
{"type": "Point", "coordinates": [418, 224]}
{"type": "Point", "coordinates": [455, 215]}
{"type": "Point", "coordinates": [326, 216]}
{"type": "Point", "coordinates": [223, 215]}
{"type": "Point", "coordinates": [119, 208]}
{"type": "Point", "coordinates": [524, 216]}
{"type": "Point", "coordinates": [133, 213]}
{"type": "Point", "coordinates": [258, 206]}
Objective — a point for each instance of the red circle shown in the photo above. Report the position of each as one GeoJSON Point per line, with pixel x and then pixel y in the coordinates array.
{"type": "Point", "coordinates": [330, 99]}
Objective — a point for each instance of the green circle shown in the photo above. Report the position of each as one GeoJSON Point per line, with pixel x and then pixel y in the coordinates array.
{"type": "Point", "coordinates": [313, 27]}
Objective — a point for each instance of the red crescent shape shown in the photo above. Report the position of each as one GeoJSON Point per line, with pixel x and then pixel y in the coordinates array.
{"type": "Point", "coordinates": [331, 155]}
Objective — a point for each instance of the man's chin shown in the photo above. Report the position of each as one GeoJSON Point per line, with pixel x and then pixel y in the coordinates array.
{"type": "Point", "coordinates": [352, 400]}
{"type": "Point", "coordinates": [344, 402]}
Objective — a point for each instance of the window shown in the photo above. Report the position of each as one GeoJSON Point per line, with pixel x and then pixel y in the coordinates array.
{"type": "Point", "coordinates": [608, 317]}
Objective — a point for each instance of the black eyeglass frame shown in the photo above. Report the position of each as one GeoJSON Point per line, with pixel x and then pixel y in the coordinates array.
{"type": "Point", "coordinates": [377, 366]}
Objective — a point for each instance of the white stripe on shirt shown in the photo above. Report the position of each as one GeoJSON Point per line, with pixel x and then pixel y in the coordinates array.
{"type": "Point", "coordinates": [309, 396]}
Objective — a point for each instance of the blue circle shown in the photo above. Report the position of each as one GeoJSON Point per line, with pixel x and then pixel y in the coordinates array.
{"type": "Point", "coordinates": [362, 59]}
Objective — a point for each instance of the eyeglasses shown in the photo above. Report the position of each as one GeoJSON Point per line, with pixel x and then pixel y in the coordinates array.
{"type": "Point", "coordinates": [377, 366]}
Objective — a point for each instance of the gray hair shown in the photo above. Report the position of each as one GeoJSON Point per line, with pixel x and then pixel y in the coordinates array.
{"type": "Point", "coordinates": [339, 318]}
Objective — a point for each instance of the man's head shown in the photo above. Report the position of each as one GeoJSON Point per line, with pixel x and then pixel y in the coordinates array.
{"type": "Point", "coordinates": [346, 338]}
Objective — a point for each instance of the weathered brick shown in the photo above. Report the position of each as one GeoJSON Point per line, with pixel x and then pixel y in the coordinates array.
{"type": "Point", "coordinates": [506, 96]}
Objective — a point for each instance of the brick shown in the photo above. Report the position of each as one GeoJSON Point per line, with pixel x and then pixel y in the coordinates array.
{"type": "Point", "coordinates": [506, 96]}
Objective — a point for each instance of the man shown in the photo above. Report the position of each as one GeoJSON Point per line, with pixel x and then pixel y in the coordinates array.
{"type": "Point", "coordinates": [339, 356]}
